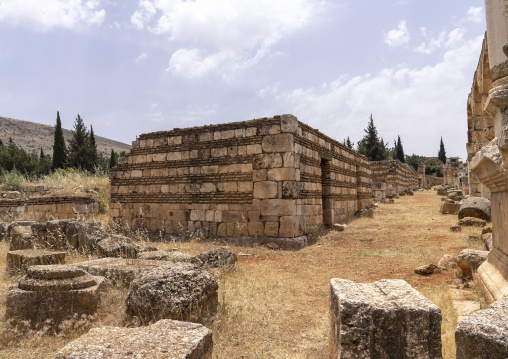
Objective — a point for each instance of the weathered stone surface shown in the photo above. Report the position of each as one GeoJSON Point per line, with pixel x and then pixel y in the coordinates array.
{"type": "Point", "coordinates": [84, 236]}
{"type": "Point", "coordinates": [441, 191]}
{"type": "Point", "coordinates": [181, 291]}
{"type": "Point", "coordinates": [159, 255]}
{"type": "Point", "coordinates": [20, 260]}
{"type": "Point", "coordinates": [447, 262]}
{"type": "Point", "coordinates": [121, 272]}
{"type": "Point", "coordinates": [469, 260]}
{"type": "Point", "coordinates": [456, 228]}
{"type": "Point", "coordinates": [454, 195]}
{"type": "Point", "coordinates": [339, 227]}
{"type": "Point", "coordinates": [218, 257]}
{"type": "Point", "coordinates": [484, 334]}
{"type": "Point", "coordinates": [55, 234]}
{"type": "Point", "coordinates": [3, 231]}
{"type": "Point", "coordinates": [23, 223]}
{"type": "Point", "coordinates": [449, 208]}
{"type": "Point", "coordinates": [488, 242]}
{"type": "Point", "coordinates": [165, 339]}
{"type": "Point", "coordinates": [47, 295]}
{"type": "Point", "coordinates": [366, 212]}
{"type": "Point", "coordinates": [21, 238]}
{"type": "Point", "coordinates": [427, 269]}
{"type": "Point", "coordinates": [475, 207]}
{"type": "Point", "coordinates": [385, 319]}
{"type": "Point", "coordinates": [486, 230]}
{"type": "Point", "coordinates": [472, 222]}
{"type": "Point", "coordinates": [116, 246]}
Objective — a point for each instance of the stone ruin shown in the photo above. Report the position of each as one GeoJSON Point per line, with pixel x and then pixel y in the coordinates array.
{"type": "Point", "coordinates": [53, 293]}
{"type": "Point", "coordinates": [274, 178]}
{"type": "Point", "coordinates": [392, 178]}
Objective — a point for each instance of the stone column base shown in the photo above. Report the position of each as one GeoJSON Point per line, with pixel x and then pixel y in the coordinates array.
{"type": "Point", "coordinates": [493, 275]}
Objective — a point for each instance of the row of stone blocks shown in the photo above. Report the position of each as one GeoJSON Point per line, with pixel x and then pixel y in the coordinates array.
{"type": "Point", "coordinates": [390, 319]}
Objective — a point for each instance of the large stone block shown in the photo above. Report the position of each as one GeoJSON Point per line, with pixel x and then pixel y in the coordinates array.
{"type": "Point", "coordinates": [475, 207]}
{"type": "Point", "coordinates": [267, 160]}
{"type": "Point", "coordinates": [278, 207]}
{"type": "Point", "coordinates": [449, 208]}
{"type": "Point", "coordinates": [289, 123]}
{"type": "Point", "coordinates": [266, 189]}
{"type": "Point", "coordinates": [289, 226]}
{"type": "Point", "coordinates": [385, 319]}
{"type": "Point", "coordinates": [484, 334]}
{"type": "Point", "coordinates": [283, 174]}
{"type": "Point", "coordinates": [283, 142]}
{"type": "Point", "coordinates": [22, 259]}
{"type": "Point", "coordinates": [49, 294]}
{"type": "Point", "coordinates": [165, 339]}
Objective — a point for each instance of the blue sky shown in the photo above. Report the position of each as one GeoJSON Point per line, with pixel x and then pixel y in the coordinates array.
{"type": "Point", "coordinates": [132, 67]}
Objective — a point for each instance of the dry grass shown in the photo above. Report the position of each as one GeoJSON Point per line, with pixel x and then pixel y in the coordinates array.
{"type": "Point", "coordinates": [274, 304]}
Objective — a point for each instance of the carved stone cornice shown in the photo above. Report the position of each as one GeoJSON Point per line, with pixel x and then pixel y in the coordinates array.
{"type": "Point", "coordinates": [488, 165]}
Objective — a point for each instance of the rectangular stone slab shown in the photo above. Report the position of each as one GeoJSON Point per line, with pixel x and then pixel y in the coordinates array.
{"type": "Point", "coordinates": [165, 339]}
{"type": "Point", "coordinates": [20, 260]}
{"type": "Point", "coordinates": [119, 271]}
{"type": "Point", "coordinates": [385, 319]}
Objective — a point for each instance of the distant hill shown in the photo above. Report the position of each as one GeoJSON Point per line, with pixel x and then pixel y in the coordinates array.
{"type": "Point", "coordinates": [32, 136]}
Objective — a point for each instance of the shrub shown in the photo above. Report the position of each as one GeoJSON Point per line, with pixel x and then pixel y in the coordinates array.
{"type": "Point", "coordinates": [12, 180]}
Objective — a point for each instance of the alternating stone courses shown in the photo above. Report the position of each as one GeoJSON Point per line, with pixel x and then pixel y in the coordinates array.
{"type": "Point", "coordinates": [272, 177]}
{"type": "Point", "coordinates": [50, 294]}
{"type": "Point", "coordinates": [385, 319]}
{"type": "Point", "coordinates": [169, 339]}
{"type": "Point", "coordinates": [392, 178]}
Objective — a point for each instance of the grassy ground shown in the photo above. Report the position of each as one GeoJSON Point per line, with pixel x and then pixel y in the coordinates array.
{"type": "Point", "coordinates": [274, 304]}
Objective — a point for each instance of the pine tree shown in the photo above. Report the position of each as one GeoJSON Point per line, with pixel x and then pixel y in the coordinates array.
{"type": "Point", "coordinates": [59, 150]}
{"type": "Point", "coordinates": [399, 151]}
{"type": "Point", "coordinates": [442, 153]}
{"type": "Point", "coordinates": [113, 160]}
{"type": "Point", "coordinates": [349, 143]}
{"type": "Point", "coordinates": [79, 147]}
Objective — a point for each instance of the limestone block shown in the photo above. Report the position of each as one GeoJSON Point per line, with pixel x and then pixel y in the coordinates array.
{"type": "Point", "coordinates": [291, 189]}
{"type": "Point", "coordinates": [119, 271]}
{"type": "Point", "coordinates": [469, 260]}
{"type": "Point", "coordinates": [278, 207]}
{"type": "Point", "coordinates": [158, 255]}
{"type": "Point", "coordinates": [251, 131]}
{"type": "Point", "coordinates": [208, 187]}
{"type": "Point", "coordinates": [222, 230]}
{"type": "Point", "coordinates": [283, 142]}
{"type": "Point", "coordinates": [289, 226]}
{"type": "Point", "coordinates": [256, 229]}
{"type": "Point", "coordinates": [259, 175]}
{"type": "Point", "coordinates": [267, 189]}
{"type": "Point", "coordinates": [484, 334]}
{"type": "Point", "coordinates": [21, 238]}
{"type": "Point", "coordinates": [272, 229]}
{"type": "Point", "coordinates": [165, 339]}
{"type": "Point", "coordinates": [20, 260]}
{"type": "Point", "coordinates": [283, 174]}
{"type": "Point", "coordinates": [449, 208]}
{"type": "Point", "coordinates": [289, 123]}
{"type": "Point", "coordinates": [53, 293]}
{"type": "Point", "coordinates": [254, 149]}
{"type": "Point", "coordinates": [267, 160]}
{"type": "Point", "coordinates": [182, 291]}
{"type": "Point", "coordinates": [218, 257]}
{"type": "Point", "coordinates": [475, 207]}
{"type": "Point", "coordinates": [245, 187]}
{"type": "Point", "coordinates": [385, 319]}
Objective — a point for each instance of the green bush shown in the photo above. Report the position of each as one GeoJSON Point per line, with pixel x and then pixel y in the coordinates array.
{"type": "Point", "coordinates": [12, 180]}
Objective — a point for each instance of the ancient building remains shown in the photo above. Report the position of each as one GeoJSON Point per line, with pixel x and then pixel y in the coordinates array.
{"type": "Point", "coordinates": [391, 177]}
{"type": "Point", "coordinates": [270, 177]}
{"type": "Point", "coordinates": [487, 112]}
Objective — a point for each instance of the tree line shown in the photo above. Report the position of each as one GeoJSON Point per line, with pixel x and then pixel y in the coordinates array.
{"type": "Point", "coordinates": [79, 153]}
{"type": "Point", "coordinates": [375, 149]}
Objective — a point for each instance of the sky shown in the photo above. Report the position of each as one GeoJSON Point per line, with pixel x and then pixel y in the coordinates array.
{"type": "Point", "coordinates": [133, 67]}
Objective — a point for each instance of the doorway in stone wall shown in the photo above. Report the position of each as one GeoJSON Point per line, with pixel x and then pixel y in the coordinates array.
{"type": "Point", "coordinates": [326, 191]}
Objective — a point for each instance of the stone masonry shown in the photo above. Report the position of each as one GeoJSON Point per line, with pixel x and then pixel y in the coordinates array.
{"type": "Point", "coordinates": [270, 177]}
{"type": "Point", "coordinates": [397, 176]}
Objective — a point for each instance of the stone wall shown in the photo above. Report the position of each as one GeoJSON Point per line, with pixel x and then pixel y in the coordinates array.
{"type": "Point", "coordinates": [400, 176]}
{"type": "Point", "coordinates": [271, 177]}
{"type": "Point", "coordinates": [47, 208]}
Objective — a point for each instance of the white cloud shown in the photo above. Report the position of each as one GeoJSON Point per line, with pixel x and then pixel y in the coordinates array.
{"type": "Point", "coordinates": [398, 36]}
{"type": "Point", "coordinates": [444, 40]}
{"type": "Point", "coordinates": [141, 57]}
{"type": "Point", "coordinates": [227, 34]}
{"type": "Point", "coordinates": [404, 101]}
{"type": "Point", "coordinates": [48, 14]}
{"type": "Point", "coordinates": [475, 14]}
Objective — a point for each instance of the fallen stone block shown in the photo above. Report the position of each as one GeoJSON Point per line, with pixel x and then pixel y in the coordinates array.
{"type": "Point", "coordinates": [21, 238]}
{"type": "Point", "coordinates": [469, 260]}
{"type": "Point", "coordinates": [427, 269]}
{"type": "Point", "coordinates": [339, 227]}
{"type": "Point", "coordinates": [385, 319]}
{"type": "Point", "coordinates": [181, 291]}
{"type": "Point", "coordinates": [50, 294]}
{"type": "Point", "coordinates": [449, 208]}
{"type": "Point", "coordinates": [477, 207]}
{"type": "Point", "coordinates": [116, 246]}
{"type": "Point", "coordinates": [121, 272]}
{"type": "Point", "coordinates": [159, 255]}
{"type": "Point", "coordinates": [456, 228]}
{"type": "Point", "coordinates": [472, 222]}
{"type": "Point", "coordinates": [447, 262]}
{"type": "Point", "coordinates": [22, 259]}
{"type": "Point", "coordinates": [165, 339]}
{"type": "Point", "coordinates": [484, 334]}
{"type": "Point", "coordinates": [218, 257]}
{"type": "Point", "coordinates": [441, 191]}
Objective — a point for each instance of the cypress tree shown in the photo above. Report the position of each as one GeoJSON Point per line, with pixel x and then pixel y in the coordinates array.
{"type": "Point", "coordinates": [94, 157]}
{"type": "Point", "coordinates": [442, 153]}
{"type": "Point", "coordinates": [113, 160]}
{"type": "Point", "coordinates": [79, 147]}
{"type": "Point", "coordinates": [400, 151]}
{"type": "Point", "coordinates": [59, 150]}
